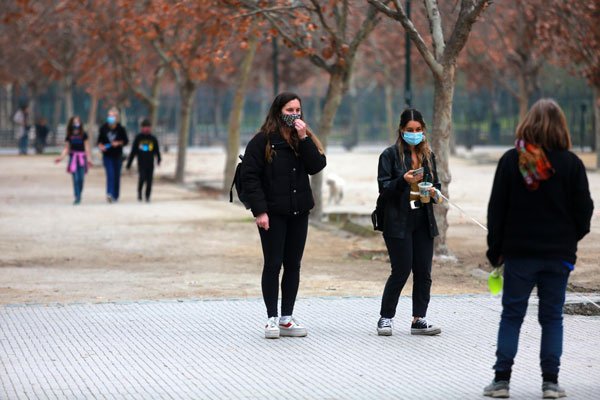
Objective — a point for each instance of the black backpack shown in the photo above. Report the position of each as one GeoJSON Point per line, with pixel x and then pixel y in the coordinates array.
{"type": "Point", "coordinates": [237, 182]}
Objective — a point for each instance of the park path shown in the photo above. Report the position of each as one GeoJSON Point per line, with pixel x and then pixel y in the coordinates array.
{"type": "Point", "coordinates": [216, 350]}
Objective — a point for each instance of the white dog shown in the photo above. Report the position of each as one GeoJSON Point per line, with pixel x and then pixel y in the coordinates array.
{"type": "Point", "coordinates": [336, 188]}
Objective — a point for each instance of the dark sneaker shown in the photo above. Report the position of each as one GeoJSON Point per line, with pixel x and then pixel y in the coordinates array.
{"type": "Point", "coordinates": [551, 390]}
{"type": "Point", "coordinates": [384, 327]}
{"type": "Point", "coordinates": [422, 327]}
{"type": "Point", "coordinates": [498, 390]}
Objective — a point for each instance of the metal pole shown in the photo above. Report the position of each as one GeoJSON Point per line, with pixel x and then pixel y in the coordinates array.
{"type": "Point", "coordinates": [275, 67]}
{"type": "Point", "coordinates": [407, 91]}
{"type": "Point", "coordinates": [582, 126]}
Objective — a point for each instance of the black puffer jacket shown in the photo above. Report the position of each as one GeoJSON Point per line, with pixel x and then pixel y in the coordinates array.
{"type": "Point", "coordinates": [281, 186]}
{"type": "Point", "coordinates": [396, 192]}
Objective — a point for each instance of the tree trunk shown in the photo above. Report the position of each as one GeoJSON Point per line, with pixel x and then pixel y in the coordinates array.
{"type": "Point", "coordinates": [153, 106]}
{"type": "Point", "coordinates": [441, 132]}
{"type": "Point", "coordinates": [56, 117]}
{"type": "Point", "coordinates": [92, 127]}
{"type": "Point", "coordinates": [6, 108]}
{"type": "Point", "coordinates": [389, 112]}
{"type": "Point", "coordinates": [597, 123]}
{"type": "Point", "coordinates": [333, 99]}
{"type": "Point", "coordinates": [68, 97]}
{"type": "Point", "coordinates": [237, 111]}
{"type": "Point", "coordinates": [186, 90]}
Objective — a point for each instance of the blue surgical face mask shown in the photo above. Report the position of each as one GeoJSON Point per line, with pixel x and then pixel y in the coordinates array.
{"type": "Point", "coordinates": [413, 138]}
{"type": "Point", "coordinates": [111, 120]}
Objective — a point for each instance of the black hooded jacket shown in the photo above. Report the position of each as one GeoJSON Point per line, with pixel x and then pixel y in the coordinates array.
{"type": "Point", "coordinates": [282, 185]}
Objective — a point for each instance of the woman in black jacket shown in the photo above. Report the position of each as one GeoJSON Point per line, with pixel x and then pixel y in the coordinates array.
{"type": "Point", "coordinates": [409, 224]}
{"type": "Point", "coordinates": [540, 207]}
{"type": "Point", "coordinates": [274, 173]}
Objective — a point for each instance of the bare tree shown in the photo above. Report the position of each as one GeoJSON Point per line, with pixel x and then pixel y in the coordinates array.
{"type": "Point", "coordinates": [441, 60]}
{"type": "Point", "coordinates": [329, 35]}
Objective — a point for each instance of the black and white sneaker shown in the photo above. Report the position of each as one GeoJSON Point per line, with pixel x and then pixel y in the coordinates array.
{"type": "Point", "coordinates": [384, 327]}
{"type": "Point", "coordinates": [422, 327]}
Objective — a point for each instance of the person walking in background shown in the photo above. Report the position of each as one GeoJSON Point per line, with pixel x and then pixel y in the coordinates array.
{"type": "Point", "coordinates": [111, 139]}
{"type": "Point", "coordinates": [41, 133]}
{"type": "Point", "coordinates": [145, 147]}
{"type": "Point", "coordinates": [540, 207]}
{"type": "Point", "coordinates": [274, 174]}
{"type": "Point", "coordinates": [21, 121]}
{"type": "Point", "coordinates": [77, 146]}
{"type": "Point", "coordinates": [409, 223]}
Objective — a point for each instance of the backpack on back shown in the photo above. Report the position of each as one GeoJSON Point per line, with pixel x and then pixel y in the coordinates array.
{"type": "Point", "coordinates": [237, 182]}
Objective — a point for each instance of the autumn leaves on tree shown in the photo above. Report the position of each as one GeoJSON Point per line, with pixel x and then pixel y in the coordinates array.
{"type": "Point", "coordinates": [117, 49]}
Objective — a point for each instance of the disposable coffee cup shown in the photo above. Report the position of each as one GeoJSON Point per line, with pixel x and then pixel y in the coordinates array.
{"type": "Point", "coordinates": [424, 191]}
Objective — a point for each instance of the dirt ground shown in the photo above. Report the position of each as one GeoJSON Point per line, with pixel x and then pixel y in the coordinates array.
{"type": "Point", "coordinates": [190, 243]}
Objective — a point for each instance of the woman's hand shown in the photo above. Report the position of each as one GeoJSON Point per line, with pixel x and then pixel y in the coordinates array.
{"type": "Point", "coordinates": [102, 147]}
{"type": "Point", "coordinates": [410, 178]}
{"type": "Point", "coordinates": [116, 143]}
{"type": "Point", "coordinates": [262, 221]}
{"type": "Point", "coordinates": [300, 128]}
{"type": "Point", "coordinates": [90, 163]}
{"type": "Point", "coordinates": [57, 160]}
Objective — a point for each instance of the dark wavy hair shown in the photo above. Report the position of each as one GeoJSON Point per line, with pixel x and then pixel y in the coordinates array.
{"type": "Point", "coordinates": [70, 126]}
{"type": "Point", "coordinates": [274, 124]}
{"type": "Point", "coordinates": [423, 149]}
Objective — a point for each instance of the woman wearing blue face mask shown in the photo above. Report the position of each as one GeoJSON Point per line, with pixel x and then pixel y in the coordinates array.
{"type": "Point", "coordinates": [409, 223]}
{"type": "Point", "coordinates": [111, 139]}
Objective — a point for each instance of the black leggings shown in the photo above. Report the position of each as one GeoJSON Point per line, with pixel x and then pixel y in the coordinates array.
{"type": "Point", "coordinates": [145, 176]}
{"type": "Point", "coordinates": [414, 252]}
{"type": "Point", "coordinates": [282, 243]}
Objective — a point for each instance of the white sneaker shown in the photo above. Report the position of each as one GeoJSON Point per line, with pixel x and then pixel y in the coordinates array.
{"type": "Point", "coordinates": [271, 329]}
{"type": "Point", "coordinates": [292, 328]}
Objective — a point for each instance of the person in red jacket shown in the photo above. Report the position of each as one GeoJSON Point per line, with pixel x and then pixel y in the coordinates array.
{"type": "Point", "coordinates": [540, 207]}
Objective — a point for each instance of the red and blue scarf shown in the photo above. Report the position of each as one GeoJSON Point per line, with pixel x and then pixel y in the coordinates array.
{"type": "Point", "coordinates": [533, 164]}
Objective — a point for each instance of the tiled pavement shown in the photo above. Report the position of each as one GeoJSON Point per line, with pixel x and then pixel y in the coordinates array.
{"type": "Point", "coordinates": [216, 350]}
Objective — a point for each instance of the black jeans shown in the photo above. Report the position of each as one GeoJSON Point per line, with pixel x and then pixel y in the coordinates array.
{"type": "Point", "coordinates": [283, 244]}
{"type": "Point", "coordinates": [413, 253]}
{"type": "Point", "coordinates": [145, 176]}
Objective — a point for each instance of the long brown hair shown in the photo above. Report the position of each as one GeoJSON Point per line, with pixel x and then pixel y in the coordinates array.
{"type": "Point", "coordinates": [70, 126]}
{"type": "Point", "coordinates": [274, 124]}
{"type": "Point", "coordinates": [423, 149]}
{"type": "Point", "coordinates": [545, 125]}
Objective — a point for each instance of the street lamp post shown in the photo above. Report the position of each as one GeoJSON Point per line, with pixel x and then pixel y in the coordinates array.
{"type": "Point", "coordinates": [582, 127]}
{"type": "Point", "coordinates": [275, 67]}
{"type": "Point", "coordinates": [407, 91]}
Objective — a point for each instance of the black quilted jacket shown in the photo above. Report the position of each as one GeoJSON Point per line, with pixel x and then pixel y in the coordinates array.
{"type": "Point", "coordinates": [281, 186]}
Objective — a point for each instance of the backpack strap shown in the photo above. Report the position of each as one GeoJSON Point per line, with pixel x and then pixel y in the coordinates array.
{"type": "Point", "coordinates": [235, 178]}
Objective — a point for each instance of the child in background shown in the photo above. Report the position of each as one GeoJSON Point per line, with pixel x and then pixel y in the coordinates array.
{"type": "Point", "coordinates": [77, 147]}
{"type": "Point", "coordinates": [145, 147]}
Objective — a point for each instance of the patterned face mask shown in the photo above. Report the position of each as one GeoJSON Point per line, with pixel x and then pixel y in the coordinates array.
{"type": "Point", "coordinates": [290, 118]}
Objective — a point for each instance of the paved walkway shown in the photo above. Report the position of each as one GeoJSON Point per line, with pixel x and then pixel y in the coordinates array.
{"type": "Point", "coordinates": [215, 350]}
